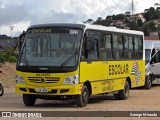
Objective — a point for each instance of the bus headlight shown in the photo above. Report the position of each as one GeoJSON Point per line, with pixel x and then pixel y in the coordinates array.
{"type": "Point", "coordinates": [19, 79]}
{"type": "Point", "coordinates": [73, 80]}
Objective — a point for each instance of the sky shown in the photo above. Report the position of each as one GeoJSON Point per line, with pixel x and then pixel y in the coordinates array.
{"type": "Point", "coordinates": [23, 13]}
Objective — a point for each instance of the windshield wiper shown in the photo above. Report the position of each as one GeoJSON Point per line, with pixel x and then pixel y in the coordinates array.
{"type": "Point", "coordinates": [69, 58]}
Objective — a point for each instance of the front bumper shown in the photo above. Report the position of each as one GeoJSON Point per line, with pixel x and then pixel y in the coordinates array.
{"type": "Point", "coordinates": [58, 90]}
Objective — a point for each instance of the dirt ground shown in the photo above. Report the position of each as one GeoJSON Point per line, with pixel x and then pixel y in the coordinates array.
{"type": "Point", "coordinates": [7, 70]}
{"type": "Point", "coordinates": [7, 76]}
{"type": "Point", "coordinates": [139, 100]}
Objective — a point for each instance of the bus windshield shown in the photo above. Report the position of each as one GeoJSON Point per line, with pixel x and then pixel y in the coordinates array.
{"type": "Point", "coordinates": [50, 47]}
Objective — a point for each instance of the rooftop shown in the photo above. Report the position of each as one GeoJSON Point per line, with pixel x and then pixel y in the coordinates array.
{"type": "Point", "coordinates": [151, 38]}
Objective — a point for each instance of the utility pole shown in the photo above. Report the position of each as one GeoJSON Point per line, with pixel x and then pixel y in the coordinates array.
{"type": "Point", "coordinates": [11, 28]}
{"type": "Point", "coordinates": [132, 9]}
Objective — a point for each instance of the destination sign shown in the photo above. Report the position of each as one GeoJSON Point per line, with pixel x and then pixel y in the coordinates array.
{"type": "Point", "coordinates": [54, 30]}
{"type": "Point", "coordinates": [41, 30]}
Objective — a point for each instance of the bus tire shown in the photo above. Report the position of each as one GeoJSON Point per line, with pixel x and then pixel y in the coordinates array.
{"type": "Point", "coordinates": [29, 100]}
{"type": "Point", "coordinates": [1, 90]}
{"type": "Point", "coordinates": [148, 82]}
{"type": "Point", "coordinates": [83, 98]}
{"type": "Point", "coordinates": [123, 94]}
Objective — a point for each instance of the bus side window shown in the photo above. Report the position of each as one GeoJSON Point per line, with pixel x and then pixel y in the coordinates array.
{"type": "Point", "coordinates": [118, 47]}
{"type": "Point", "coordinates": [128, 47]}
{"type": "Point", "coordinates": [138, 45]}
{"type": "Point", "coordinates": [93, 52]}
{"type": "Point", "coordinates": [90, 47]}
{"type": "Point", "coordinates": [105, 47]}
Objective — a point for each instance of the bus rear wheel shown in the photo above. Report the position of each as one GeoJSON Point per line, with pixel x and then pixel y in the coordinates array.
{"type": "Point", "coordinates": [29, 100]}
{"type": "Point", "coordinates": [1, 90]}
{"type": "Point", "coordinates": [83, 98]}
{"type": "Point", "coordinates": [123, 94]}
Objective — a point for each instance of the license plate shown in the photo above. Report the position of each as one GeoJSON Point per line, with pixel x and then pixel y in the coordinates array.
{"type": "Point", "coordinates": [42, 90]}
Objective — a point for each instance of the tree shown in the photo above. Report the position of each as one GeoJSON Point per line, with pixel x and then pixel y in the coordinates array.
{"type": "Point", "coordinates": [157, 13]}
{"type": "Point", "coordinates": [119, 17]}
{"type": "Point", "coordinates": [146, 30]}
{"type": "Point", "coordinates": [1, 57]}
{"type": "Point", "coordinates": [102, 22]}
{"type": "Point", "coordinates": [146, 10]}
{"type": "Point", "coordinates": [149, 13]}
{"type": "Point", "coordinates": [10, 52]}
{"type": "Point", "coordinates": [156, 4]}
{"type": "Point", "coordinates": [133, 25]}
{"type": "Point", "coordinates": [128, 14]}
{"type": "Point", "coordinates": [139, 23]}
{"type": "Point", "coordinates": [109, 18]}
{"type": "Point", "coordinates": [158, 9]}
{"type": "Point", "coordinates": [158, 29]}
{"type": "Point", "coordinates": [12, 59]}
{"type": "Point", "coordinates": [152, 26]}
{"type": "Point", "coordinates": [149, 27]}
{"type": "Point", "coordinates": [99, 19]}
{"type": "Point", "coordinates": [90, 21]}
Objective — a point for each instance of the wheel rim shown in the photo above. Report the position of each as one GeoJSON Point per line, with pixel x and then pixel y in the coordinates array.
{"type": "Point", "coordinates": [1, 90]}
{"type": "Point", "coordinates": [85, 96]}
{"type": "Point", "coordinates": [149, 83]}
{"type": "Point", "coordinates": [127, 91]}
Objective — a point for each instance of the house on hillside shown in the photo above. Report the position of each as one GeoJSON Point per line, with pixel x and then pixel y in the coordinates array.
{"type": "Point", "coordinates": [151, 38]}
{"type": "Point", "coordinates": [139, 16]}
{"type": "Point", "coordinates": [157, 22]}
{"type": "Point", "coordinates": [1, 48]}
{"type": "Point", "coordinates": [7, 42]}
{"type": "Point", "coordinates": [118, 23]}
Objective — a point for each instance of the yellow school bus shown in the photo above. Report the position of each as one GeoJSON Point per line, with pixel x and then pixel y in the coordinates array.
{"type": "Point", "coordinates": [75, 61]}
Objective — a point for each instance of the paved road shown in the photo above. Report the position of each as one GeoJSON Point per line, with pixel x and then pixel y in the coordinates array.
{"type": "Point", "coordinates": [139, 100]}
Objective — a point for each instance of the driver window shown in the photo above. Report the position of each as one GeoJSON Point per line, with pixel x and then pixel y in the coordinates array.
{"type": "Point", "coordinates": [91, 40]}
{"type": "Point", "coordinates": [93, 53]}
{"type": "Point", "coordinates": [156, 58]}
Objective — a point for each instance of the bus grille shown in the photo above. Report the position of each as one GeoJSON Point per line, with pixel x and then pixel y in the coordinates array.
{"type": "Point", "coordinates": [41, 80]}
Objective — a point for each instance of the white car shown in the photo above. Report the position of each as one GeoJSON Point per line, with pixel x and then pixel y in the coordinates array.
{"type": "Point", "coordinates": [1, 89]}
{"type": "Point", "coordinates": [153, 70]}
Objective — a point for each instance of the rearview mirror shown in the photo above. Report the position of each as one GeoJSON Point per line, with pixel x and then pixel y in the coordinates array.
{"type": "Point", "coordinates": [151, 62]}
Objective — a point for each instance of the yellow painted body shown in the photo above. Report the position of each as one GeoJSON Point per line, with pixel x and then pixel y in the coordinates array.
{"type": "Point", "coordinates": [109, 76]}
{"type": "Point", "coordinates": [104, 76]}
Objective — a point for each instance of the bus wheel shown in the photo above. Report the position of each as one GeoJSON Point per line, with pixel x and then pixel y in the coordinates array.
{"type": "Point", "coordinates": [148, 82]}
{"type": "Point", "coordinates": [29, 100]}
{"type": "Point", "coordinates": [83, 98]}
{"type": "Point", "coordinates": [1, 90]}
{"type": "Point", "coordinates": [123, 94]}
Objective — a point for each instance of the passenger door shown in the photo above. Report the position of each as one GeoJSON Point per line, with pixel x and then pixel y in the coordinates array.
{"type": "Point", "coordinates": [155, 65]}
{"type": "Point", "coordinates": [91, 66]}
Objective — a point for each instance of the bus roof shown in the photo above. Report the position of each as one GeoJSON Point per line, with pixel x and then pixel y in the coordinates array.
{"type": "Point", "coordinates": [70, 25]}
{"type": "Point", "coordinates": [113, 29]}
{"type": "Point", "coordinates": [87, 26]}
